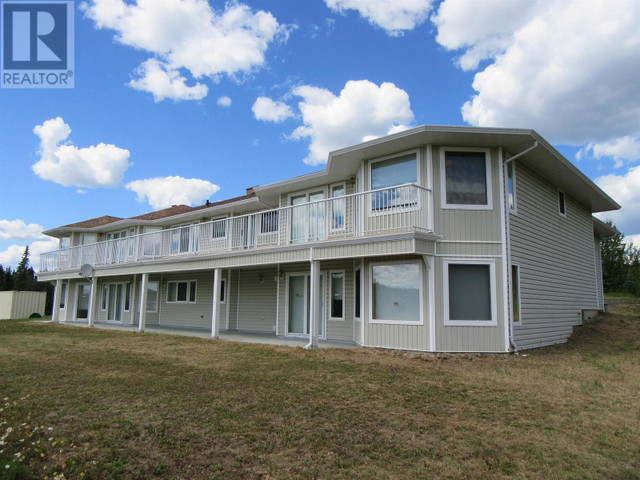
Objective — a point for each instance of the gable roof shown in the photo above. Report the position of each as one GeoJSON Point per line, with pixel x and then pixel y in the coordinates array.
{"type": "Point", "coordinates": [93, 222]}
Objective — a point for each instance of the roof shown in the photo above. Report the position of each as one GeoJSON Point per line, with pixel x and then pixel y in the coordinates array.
{"type": "Point", "coordinates": [94, 222]}
{"type": "Point", "coordinates": [603, 229]}
{"type": "Point", "coordinates": [165, 212]}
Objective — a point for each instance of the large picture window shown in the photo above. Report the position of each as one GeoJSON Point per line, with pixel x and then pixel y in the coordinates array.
{"type": "Point", "coordinates": [466, 179]}
{"type": "Point", "coordinates": [390, 173]}
{"type": "Point", "coordinates": [396, 293]}
{"type": "Point", "coordinates": [181, 292]}
{"type": "Point", "coordinates": [153, 289]}
{"type": "Point", "coordinates": [470, 293]}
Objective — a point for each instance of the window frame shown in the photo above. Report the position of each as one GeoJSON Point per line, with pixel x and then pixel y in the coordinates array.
{"type": "Point", "coordinates": [225, 223]}
{"type": "Point", "coordinates": [331, 198]}
{"type": "Point", "coordinates": [492, 293]}
{"type": "Point", "coordinates": [104, 297]}
{"type": "Point", "coordinates": [357, 293]}
{"type": "Point", "coordinates": [420, 294]}
{"type": "Point", "coordinates": [443, 179]}
{"type": "Point", "coordinates": [188, 298]}
{"type": "Point", "coordinates": [562, 205]}
{"type": "Point", "coordinates": [64, 292]}
{"type": "Point", "coordinates": [512, 209]}
{"type": "Point", "coordinates": [373, 212]}
{"type": "Point", "coordinates": [223, 291]}
{"type": "Point", "coordinates": [158, 297]}
{"type": "Point", "coordinates": [519, 296]}
{"type": "Point", "coordinates": [329, 310]}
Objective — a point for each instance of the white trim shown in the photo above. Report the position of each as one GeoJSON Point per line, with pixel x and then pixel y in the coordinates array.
{"type": "Point", "coordinates": [64, 288]}
{"type": "Point", "coordinates": [517, 266]}
{"type": "Point", "coordinates": [564, 202]}
{"type": "Point", "coordinates": [330, 295]}
{"type": "Point", "coordinates": [431, 278]}
{"type": "Point", "coordinates": [443, 179]}
{"type": "Point", "coordinates": [277, 298]}
{"type": "Point", "coordinates": [104, 296]}
{"type": "Point", "coordinates": [512, 210]}
{"type": "Point", "coordinates": [223, 281]}
{"type": "Point", "coordinates": [492, 289]}
{"type": "Point", "coordinates": [149, 282]}
{"type": "Point", "coordinates": [420, 294]}
{"type": "Point", "coordinates": [227, 294]}
{"type": "Point", "coordinates": [188, 282]}
{"type": "Point", "coordinates": [429, 184]}
{"type": "Point", "coordinates": [356, 269]}
{"type": "Point", "coordinates": [505, 233]}
{"type": "Point", "coordinates": [322, 333]}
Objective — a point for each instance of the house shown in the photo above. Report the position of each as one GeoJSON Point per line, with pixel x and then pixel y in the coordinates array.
{"type": "Point", "coordinates": [453, 239]}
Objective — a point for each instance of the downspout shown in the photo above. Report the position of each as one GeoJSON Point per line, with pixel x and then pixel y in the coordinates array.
{"type": "Point", "coordinates": [512, 343]}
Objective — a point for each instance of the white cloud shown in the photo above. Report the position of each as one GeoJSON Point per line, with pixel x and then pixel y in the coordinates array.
{"type": "Point", "coordinates": [393, 16]}
{"type": "Point", "coordinates": [100, 165]}
{"type": "Point", "coordinates": [271, 111]}
{"type": "Point", "coordinates": [619, 149]}
{"type": "Point", "coordinates": [163, 192]}
{"type": "Point", "coordinates": [10, 229]}
{"type": "Point", "coordinates": [13, 254]}
{"type": "Point", "coordinates": [189, 34]}
{"type": "Point", "coordinates": [361, 112]}
{"type": "Point", "coordinates": [566, 68]}
{"type": "Point", "coordinates": [224, 101]}
{"type": "Point", "coordinates": [635, 239]}
{"type": "Point", "coordinates": [163, 81]}
{"type": "Point", "coordinates": [625, 189]}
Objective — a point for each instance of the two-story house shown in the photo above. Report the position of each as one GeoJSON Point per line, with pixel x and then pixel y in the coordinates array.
{"type": "Point", "coordinates": [452, 239]}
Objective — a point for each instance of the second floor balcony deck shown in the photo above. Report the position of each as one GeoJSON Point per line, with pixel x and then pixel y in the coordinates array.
{"type": "Point", "coordinates": [375, 212]}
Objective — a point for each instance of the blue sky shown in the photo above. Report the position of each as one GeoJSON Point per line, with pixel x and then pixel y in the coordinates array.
{"type": "Point", "coordinates": [183, 101]}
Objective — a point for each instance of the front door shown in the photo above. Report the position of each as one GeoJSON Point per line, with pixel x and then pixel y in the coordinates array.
{"type": "Point", "coordinates": [299, 305]}
{"type": "Point", "coordinates": [115, 302]}
{"type": "Point", "coordinates": [82, 301]}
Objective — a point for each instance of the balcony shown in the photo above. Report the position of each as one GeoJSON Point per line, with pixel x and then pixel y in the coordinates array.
{"type": "Point", "coordinates": [376, 212]}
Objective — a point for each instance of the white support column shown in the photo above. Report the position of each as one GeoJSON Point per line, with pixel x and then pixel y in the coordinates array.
{"type": "Point", "coordinates": [215, 313]}
{"type": "Point", "coordinates": [314, 304]}
{"type": "Point", "coordinates": [142, 320]}
{"type": "Point", "coordinates": [55, 311]}
{"type": "Point", "coordinates": [91, 314]}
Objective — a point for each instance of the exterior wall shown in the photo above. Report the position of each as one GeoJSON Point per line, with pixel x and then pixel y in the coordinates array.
{"type": "Point", "coordinates": [257, 300]}
{"type": "Point", "coordinates": [469, 235]}
{"type": "Point", "coordinates": [557, 261]}
{"type": "Point", "coordinates": [598, 261]}
{"type": "Point", "coordinates": [19, 304]}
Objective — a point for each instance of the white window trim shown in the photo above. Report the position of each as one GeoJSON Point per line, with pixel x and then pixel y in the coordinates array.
{"type": "Point", "coordinates": [519, 322]}
{"type": "Point", "coordinates": [513, 210]}
{"type": "Point", "coordinates": [492, 288]}
{"type": "Point", "coordinates": [64, 297]}
{"type": "Point", "coordinates": [104, 297]}
{"type": "Point", "coordinates": [330, 296]}
{"type": "Point", "coordinates": [226, 227]}
{"type": "Point", "coordinates": [322, 334]}
{"type": "Point", "coordinates": [188, 282]}
{"type": "Point", "coordinates": [443, 179]}
{"type": "Point", "coordinates": [124, 299]}
{"type": "Point", "coordinates": [420, 294]}
{"type": "Point", "coordinates": [223, 281]}
{"type": "Point", "coordinates": [355, 274]}
{"type": "Point", "coordinates": [331, 197]}
{"type": "Point", "coordinates": [307, 192]}
{"type": "Point", "coordinates": [564, 198]}
{"type": "Point", "coordinates": [159, 285]}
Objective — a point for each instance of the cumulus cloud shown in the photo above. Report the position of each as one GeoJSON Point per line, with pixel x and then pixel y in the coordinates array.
{"type": "Point", "coordinates": [392, 16]}
{"type": "Point", "coordinates": [271, 111]}
{"type": "Point", "coordinates": [362, 111]}
{"type": "Point", "coordinates": [189, 35]}
{"type": "Point", "coordinates": [566, 68]}
{"type": "Point", "coordinates": [10, 229]}
{"type": "Point", "coordinates": [625, 189]}
{"type": "Point", "coordinates": [163, 82]}
{"type": "Point", "coordinates": [101, 165]}
{"type": "Point", "coordinates": [11, 256]}
{"type": "Point", "coordinates": [224, 101]}
{"type": "Point", "coordinates": [619, 149]}
{"type": "Point", "coordinates": [163, 192]}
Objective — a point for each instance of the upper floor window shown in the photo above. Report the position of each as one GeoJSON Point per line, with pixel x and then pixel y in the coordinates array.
{"type": "Point", "coordinates": [219, 228]}
{"type": "Point", "coordinates": [466, 178]}
{"type": "Point", "coordinates": [65, 242]}
{"type": "Point", "coordinates": [511, 186]}
{"type": "Point", "coordinates": [394, 172]}
{"type": "Point", "coordinates": [562, 207]}
{"type": "Point", "coordinates": [337, 207]}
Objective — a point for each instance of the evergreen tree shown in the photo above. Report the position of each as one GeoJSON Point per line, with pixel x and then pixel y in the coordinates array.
{"type": "Point", "coordinates": [24, 276]}
{"type": "Point", "coordinates": [614, 267]}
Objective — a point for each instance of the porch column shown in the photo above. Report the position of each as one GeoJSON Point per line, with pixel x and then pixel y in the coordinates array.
{"type": "Point", "coordinates": [215, 313]}
{"type": "Point", "coordinates": [314, 305]}
{"type": "Point", "coordinates": [91, 314]}
{"type": "Point", "coordinates": [142, 319]}
{"type": "Point", "coordinates": [55, 311]}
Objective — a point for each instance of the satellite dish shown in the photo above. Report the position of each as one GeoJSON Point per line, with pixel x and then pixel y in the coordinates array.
{"type": "Point", "coordinates": [86, 270]}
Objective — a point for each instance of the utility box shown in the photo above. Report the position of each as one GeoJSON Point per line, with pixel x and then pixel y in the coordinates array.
{"type": "Point", "coordinates": [14, 304]}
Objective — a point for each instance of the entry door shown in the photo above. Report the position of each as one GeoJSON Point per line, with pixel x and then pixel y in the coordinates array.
{"type": "Point", "coordinates": [299, 305]}
{"type": "Point", "coordinates": [307, 221]}
{"type": "Point", "coordinates": [115, 302]}
{"type": "Point", "coordinates": [82, 301]}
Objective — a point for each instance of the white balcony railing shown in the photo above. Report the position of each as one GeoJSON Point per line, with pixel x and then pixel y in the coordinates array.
{"type": "Point", "coordinates": [374, 212]}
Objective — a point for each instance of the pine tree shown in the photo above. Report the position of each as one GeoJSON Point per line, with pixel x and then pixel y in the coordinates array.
{"type": "Point", "coordinates": [613, 261]}
{"type": "Point", "coordinates": [24, 278]}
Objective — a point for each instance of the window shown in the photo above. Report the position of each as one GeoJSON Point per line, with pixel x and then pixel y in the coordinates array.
{"type": "Point", "coordinates": [153, 289]}
{"type": "Point", "coordinates": [511, 187]}
{"type": "Point", "coordinates": [336, 311]}
{"type": "Point", "coordinates": [65, 242]}
{"type": "Point", "coordinates": [127, 297]}
{"type": "Point", "coordinates": [219, 228]}
{"type": "Point", "coordinates": [338, 207]}
{"type": "Point", "coordinates": [396, 293]}
{"type": "Point", "coordinates": [63, 295]}
{"type": "Point", "coordinates": [515, 294]}
{"type": "Point", "coordinates": [394, 172]}
{"type": "Point", "coordinates": [269, 222]}
{"type": "Point", "coordinates": [223, 290]}
{"type": "Point", "coordinates": [562, 207]}
{"type": "Point", "coordinates": [470, 293]}
{"type": "Point", "coordinates": [105, 295]}
{"type": "Point", "coordinates": [357, 294]}
{"type": "Point", "coordinates": [181, 292]}
{"type": "Point", "coordinates": [466, 179]}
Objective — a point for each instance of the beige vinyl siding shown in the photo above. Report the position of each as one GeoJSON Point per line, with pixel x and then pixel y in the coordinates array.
{"type": "Point", "coordinates": [474, 235]}
{"type": "Point", "coordinates": [233, 298]}
{"type": "Point", "coordinates": [598, 262]}
{"type": "Point", "coordinates": [339, 329]}
{"type": "Point", "coordinates": [257, 302]}
{"type": "Point", "coordinates": [21, 304]}
{"type": "Point", "coordinates": [557, 262]}
{"type": "Point", "coordinates": [189, 315]}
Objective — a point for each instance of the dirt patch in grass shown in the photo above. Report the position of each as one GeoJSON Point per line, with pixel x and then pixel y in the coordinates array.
{"type": "Point", "coordinates": [117, 405]}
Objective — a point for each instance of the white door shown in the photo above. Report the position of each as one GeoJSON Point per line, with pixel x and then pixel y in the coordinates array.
{"type": "Point", "coordinates": [307, 221]}
{"type": "Point", "coordinates": [299, 305]}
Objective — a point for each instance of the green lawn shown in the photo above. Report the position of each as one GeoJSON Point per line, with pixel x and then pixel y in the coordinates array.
{"type": "Point", "coordinates": [86, 403]}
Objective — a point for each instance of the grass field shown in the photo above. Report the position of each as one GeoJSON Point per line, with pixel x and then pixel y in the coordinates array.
{"type": "Point", "coordinates": [85, 403]}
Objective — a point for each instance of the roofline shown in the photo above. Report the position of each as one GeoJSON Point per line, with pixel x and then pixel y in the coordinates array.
{"type": "Point", "coordinates": [603, 229]}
